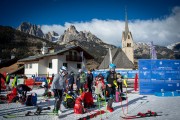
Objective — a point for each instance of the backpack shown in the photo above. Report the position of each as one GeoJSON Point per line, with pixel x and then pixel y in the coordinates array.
{"type": "Point", "coordinates": [31, 100]}
{"type": "Point", "coordinates": [12, 97]}
{"type": "Point", "coordinates": [78, 107]}
{"type": "Point", "coordinates": [87, 99]}
{"type": "Point", "coordinates": [69, 101]}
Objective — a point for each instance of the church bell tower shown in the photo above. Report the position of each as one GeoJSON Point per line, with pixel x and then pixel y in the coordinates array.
{"type": "Point", "coordinates": [127, 41]}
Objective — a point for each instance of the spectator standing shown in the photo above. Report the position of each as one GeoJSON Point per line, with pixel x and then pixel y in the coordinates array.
{"type": "Point", "coordinates": [89, 80]}
{"type": "Point", "coordinates": [57, 87]}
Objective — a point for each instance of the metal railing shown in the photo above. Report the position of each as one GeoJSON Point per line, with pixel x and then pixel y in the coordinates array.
{"type": "Point", "coordinates": [73, 58]}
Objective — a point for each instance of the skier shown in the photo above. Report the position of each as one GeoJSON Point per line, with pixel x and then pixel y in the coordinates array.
{"type": "Point", "coordinates": [111, 85]}
{"type": "Point", "coordinates": [14, 83]}
{"type": "Point", "coordinates": [58, 85]}
{"type": "Point", "coordinates": [22, 90]}
{"type": "Point", "coordinates": [119, 82]}
{"type": "Point", "coordinates": [71, 81]}
{"type": "Point", "coordinates": [7, 82]}
{"type": "Point", "coordinates": [78, 82]}
{"type": "Point", "coordinates": [3, 78]}
{"type": "Point", "coordinates": [45, 86]}
{"type": "Point", "coordinates": [99, 87]}
{"type": "Point", "coordinates": [82, 81]}
{"type": "Point", "coordinates": [89, 80]}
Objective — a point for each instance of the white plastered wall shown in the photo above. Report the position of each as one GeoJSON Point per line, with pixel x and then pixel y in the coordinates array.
{"type": "Point", "coordinates": [31, 71]}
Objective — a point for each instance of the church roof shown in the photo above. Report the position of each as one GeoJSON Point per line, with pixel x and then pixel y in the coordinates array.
{"type": "Point", "coordinates": [119, 58]}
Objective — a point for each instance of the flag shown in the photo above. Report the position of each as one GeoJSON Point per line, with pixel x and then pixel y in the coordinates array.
{"type": "Point", "coordinates": [83, 66]}
{"type": "Point", "coordinates": [110, 56]}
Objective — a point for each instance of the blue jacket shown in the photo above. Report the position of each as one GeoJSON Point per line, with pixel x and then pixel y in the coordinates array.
{"type": "Point", "coordinates": [71, 79]}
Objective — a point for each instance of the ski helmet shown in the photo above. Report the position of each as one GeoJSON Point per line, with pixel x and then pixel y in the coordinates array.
{"type": "Point", "coordinates": [112, 66]}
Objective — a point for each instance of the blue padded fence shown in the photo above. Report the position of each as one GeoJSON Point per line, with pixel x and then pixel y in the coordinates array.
{"type": "Point", "coordinates": [157, 75]}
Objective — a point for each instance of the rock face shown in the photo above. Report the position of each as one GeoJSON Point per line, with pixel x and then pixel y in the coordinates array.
{"type": "Point", "coordinates": [51, 36]}
{"type": "Point", "coordinates": [142, 51]}
{"type": "Point", "coordinates": [87, 40]}
{"type": "Point", "coordinates": [36, 31]}
{"type": "Point", "coordinates": [31, 29]}
{"type": "Point", "coordinates": [72, 34]}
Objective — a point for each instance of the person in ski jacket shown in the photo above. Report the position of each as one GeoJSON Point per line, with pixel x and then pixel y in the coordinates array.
{"type": "Point", "coordinates": [14, 83]}
{"type": "Point", "coordinates": [71, 81]}
{"type": "Point", "coordinates": [57, 87]}
{"type": "Point", "coordinates": [119, 82]}
{"type": "Point", "coordinates": [87, 98]}
{"type": "Point", "coordinates": [111, 85]}
{"type": "Point", "coordinates": [45, 86]}
{"type": "Point", "coordinates": [2, 78]}
{"type": "Point", "coordinates": [82, 81]}
{"type": "Point", "coordinates": [78, 82]}
{"type": "Point", "coordinates": [22, 90]}
{"type": "Point", "coordinates": [7, 81]}
{"type": "Point", "coordinates": [99, 87]}
{"type": "Point", "coordinates": [89, 80]}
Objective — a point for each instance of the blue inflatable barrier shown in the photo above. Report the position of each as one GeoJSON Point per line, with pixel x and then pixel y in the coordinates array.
{"type": "Point", "coordinates": [129, 73]}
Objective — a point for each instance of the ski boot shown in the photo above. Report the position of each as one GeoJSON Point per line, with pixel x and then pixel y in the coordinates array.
{"type": "Point", "coordinates": [55, 111]}
{"type": "Point", "coordinates": [40, 109]}
{"type": "Point", "coordinates": [28, 113]}
{"type": "Point", "coordinates": [110, 109]}
{"type": "Point", "coordinates": [152, 113]}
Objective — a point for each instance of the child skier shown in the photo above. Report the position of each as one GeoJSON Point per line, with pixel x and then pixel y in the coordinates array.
{"type": "Point", "coordinates": [99, 87]}
{"type": "Point", "coordinates": [119, 82]}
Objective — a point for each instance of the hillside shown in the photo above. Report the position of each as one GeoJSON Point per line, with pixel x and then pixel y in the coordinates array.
{"type": "Point", "coordinates": [19, 44]}
{"type": "Point", "coordinates": [142, 51]}
{"type": "Point", "coordinates": [87, 40]}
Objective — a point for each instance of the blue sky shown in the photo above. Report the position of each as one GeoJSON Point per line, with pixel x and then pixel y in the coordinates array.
{"type": "Point", "coordinates": [58, 14]}
{"type": "Point", "coordinates": [13, 12]}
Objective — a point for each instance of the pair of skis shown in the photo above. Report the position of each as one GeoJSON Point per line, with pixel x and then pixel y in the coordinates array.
{"type": "Point", "coordinates": [28, 113]}
{"type": "Point", "coordinates": [141, 115]}
{"type": "Point", "coordinates": [93, 115]}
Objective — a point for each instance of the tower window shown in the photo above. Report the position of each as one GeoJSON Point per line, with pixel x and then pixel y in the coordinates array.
{"type": "Point", "coordinates": [128, 36]}
{"type": "Point", "coordinates": [128, 44]}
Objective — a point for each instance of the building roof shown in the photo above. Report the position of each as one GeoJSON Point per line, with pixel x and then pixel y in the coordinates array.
{"type": "Point", "coordinates": [119, 58]}
{"type": "Point", "coordinates": [11, 68]}
{"type": "Point", "coordinates": [78, 48]}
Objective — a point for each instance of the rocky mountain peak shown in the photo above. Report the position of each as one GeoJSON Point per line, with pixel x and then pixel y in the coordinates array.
{"type": "Point", "coordinates": [51, 36]}
{"type": "Point", "coordinates": [72, 34]}
{"type": "Point", "coordinates": [54, 33]}
{"type": "Point", "coordinates": [72, 30]}
{"type": "Point", "coordinates": [31, 29]}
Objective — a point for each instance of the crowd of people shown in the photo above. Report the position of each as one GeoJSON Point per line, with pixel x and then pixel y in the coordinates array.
{"type": "Point", "coordinates": [104, 87]}
{"type": "Point", "coordinates": [83, 84]}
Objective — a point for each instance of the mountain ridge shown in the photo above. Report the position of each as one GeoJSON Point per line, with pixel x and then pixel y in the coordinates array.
{"type": "Point", "coordinates": [95, 45]}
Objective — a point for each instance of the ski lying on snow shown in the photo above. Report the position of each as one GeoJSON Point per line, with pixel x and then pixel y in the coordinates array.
{"type": "Point", "coordinates": [141, 115]}
{"type": "Point", "coordinates": [93, 115]}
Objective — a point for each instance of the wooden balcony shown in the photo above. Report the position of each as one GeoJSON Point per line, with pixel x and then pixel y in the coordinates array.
{"type": "Point", "coordinates": [73, 58]}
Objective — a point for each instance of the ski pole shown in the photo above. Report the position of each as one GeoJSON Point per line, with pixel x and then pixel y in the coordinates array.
{"type": "Point", "coordinates": [99, 106]}
{"type": "Point", "coordinates": [126, 104]}
{"type": "Point", "coordinates": [138, 106]}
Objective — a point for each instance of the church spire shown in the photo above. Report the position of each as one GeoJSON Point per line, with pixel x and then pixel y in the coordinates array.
{"type": "Point", "coordinates": [126, 25]}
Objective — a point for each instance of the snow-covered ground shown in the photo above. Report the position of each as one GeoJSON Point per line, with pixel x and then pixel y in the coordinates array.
{"type": "Point", "coordinates": [167, 107]}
